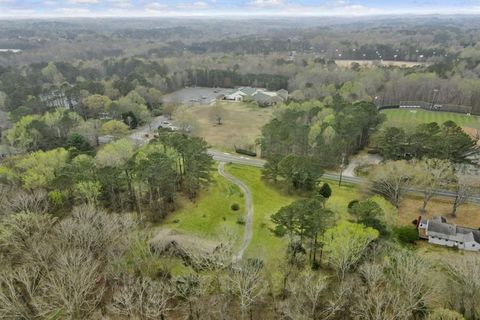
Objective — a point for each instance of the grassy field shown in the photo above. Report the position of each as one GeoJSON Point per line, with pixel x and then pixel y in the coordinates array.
{"type": "Point", "coordinates": [241, 124]}
{"type": "Point", "coordinates": [409, 118]}
{"type": "Point", "coordinates": [266, 201]}
{"type": "Point", "coordinates": [211, 214]}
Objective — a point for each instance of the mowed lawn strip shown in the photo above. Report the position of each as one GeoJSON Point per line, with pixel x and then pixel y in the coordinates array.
{"type": "Point", "coordinates": [267, 200]}
{"type": "Point", "coordinates": [210, 215]}
{"type": "Point", "coordinates": [411, 117]}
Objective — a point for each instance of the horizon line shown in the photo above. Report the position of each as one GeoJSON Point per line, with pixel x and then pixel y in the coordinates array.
{"type": "Point", "coordinates": [179, 14]}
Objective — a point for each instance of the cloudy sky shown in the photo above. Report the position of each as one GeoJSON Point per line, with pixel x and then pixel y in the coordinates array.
{"type": "Point", "coordinates": [162, 8]}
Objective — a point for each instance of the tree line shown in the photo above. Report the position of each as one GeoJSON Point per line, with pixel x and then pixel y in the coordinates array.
{"type": "Point", "coordinates": [303, 139]}
{"type": "Point", "coordinates": [120, 176]}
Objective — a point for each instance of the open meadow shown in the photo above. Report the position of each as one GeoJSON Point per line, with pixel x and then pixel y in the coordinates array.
{"type": "Point", "coordinates": [241, 124]}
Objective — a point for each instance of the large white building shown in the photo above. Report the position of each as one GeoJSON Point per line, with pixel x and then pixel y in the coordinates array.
{"type": "Point", "coordinates": [260, 95]}
{"type": "Point", "coordinates": [438, 231]}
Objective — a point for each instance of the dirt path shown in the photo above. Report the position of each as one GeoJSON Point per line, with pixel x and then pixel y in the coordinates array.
{"type": "Point", "coordinates": [247, 235]}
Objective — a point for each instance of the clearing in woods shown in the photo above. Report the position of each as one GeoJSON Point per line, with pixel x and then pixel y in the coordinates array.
{"type": "Point", "coordinates": [241, 124]}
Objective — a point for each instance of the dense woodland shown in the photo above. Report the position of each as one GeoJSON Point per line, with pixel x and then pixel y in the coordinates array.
{"type": "Point", "coordinates": [77, 213]}
{"type": "Point", "coordinates": [103, 57]}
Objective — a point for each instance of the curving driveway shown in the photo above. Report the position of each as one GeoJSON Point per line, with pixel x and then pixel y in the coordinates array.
{"type": "Point", "coordinates": [247, 235]}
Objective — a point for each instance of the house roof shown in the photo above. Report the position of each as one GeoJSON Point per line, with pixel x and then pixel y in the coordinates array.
{"type": "Point", "coordinates": [234, 94]}
{"type": "Point", "coordinates": [283, 93]}
{"type": "Point", "coordinates": [248, 90]}
{"type": "Point", "coordinates": [262, 97]}
{"type": "Point", "coordinates": [452, 232]}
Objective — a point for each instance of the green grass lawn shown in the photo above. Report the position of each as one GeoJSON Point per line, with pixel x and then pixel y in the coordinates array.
{"type": "Point", "coordinates": [410, 117]}
{"type": "Point", "coordinates": [266, 201]}
{"type": "Point", "coordinates": [210, 215]}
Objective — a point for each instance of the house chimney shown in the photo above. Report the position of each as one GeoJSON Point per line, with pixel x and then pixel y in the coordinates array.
{"type": "Point", "coordinates": [419, 219]}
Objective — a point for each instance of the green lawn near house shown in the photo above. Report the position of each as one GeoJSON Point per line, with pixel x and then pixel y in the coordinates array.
{"type": "Point", "coordinates": [411, 117]}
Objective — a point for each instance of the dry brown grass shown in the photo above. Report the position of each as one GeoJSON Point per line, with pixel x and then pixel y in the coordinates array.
{"type": "Point", "coordinates": [472, 132]}
{"type": "Point", "coordinates": [467, 215]}
{"type": "Point", "coordinates": [242, 124]}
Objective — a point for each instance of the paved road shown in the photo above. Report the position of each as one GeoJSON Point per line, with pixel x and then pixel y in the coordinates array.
{"type": "Point", "coordinates": [139, 137]}
{"type": "Point", "coordinates": [233, 158]}
{"type": "Point", "coordinates": [247, 235]}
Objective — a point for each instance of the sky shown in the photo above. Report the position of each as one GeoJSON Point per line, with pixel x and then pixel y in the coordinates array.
{"type": "Point", "coordinates": [247, 8]}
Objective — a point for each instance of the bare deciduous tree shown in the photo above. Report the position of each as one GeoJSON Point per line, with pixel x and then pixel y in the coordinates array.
{"type": "Point", "coordinates": [142, 298]}
{"type": "Point", "coordinates": [217, 113]}
{"type": "Point", "coordinates": [27, 201]}
{"type": "Point", "coordinates": [246, 282]}
{"type": "Point", "coordinates": [463, 188]}
{"type": "Point", "coordinates": [51, 269]}
{"type": "Point", "coordinates": [391, 180]}
{"type": "Point", "coordinates": [17, 290]}
{"type": "Point", "coordinates": [94, 230]}
{"type": "Point", "coordinates": [74, 285]}
{"type": "Point", "coordinates": [464, 285]}
{"type": "Point", "coordinates": [306, 292]}
{"type": "Point", "coordinates": [393, 290]}
{"type": "Point", "coordinates": [25, 237]}
{"type": "Point", "coordinates": [432, 175]}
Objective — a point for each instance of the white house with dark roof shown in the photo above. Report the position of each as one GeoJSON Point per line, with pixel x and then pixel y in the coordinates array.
{"type": "Point", "coordinates": [438, 231]}
{"type": "Point", "coordinates": [260, 95]}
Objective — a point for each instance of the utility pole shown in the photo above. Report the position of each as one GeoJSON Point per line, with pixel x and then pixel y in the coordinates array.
{"type": "Point", "coordinates": [435, 91]}
{"type": "Point", "coordinates": [342, 166]}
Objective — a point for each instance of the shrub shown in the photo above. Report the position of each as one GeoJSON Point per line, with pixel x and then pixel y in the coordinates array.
{"type": "Point", "coordinates": [406, 234]}
{"type": "Point", "coordinates": [241, 220]}
{"type": "Point", "coordinates": [57, 198]}
{"type": "Point", "coordinates": [325, 191]}
{"type": "Point", "coordinates": [444, 314]}
{"type": "Point", "coordinates": [235, 207]}
{"type": "Point", "coordinates": [352, 203]}
{"type": "Point", "coordinates": [279, 231]}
